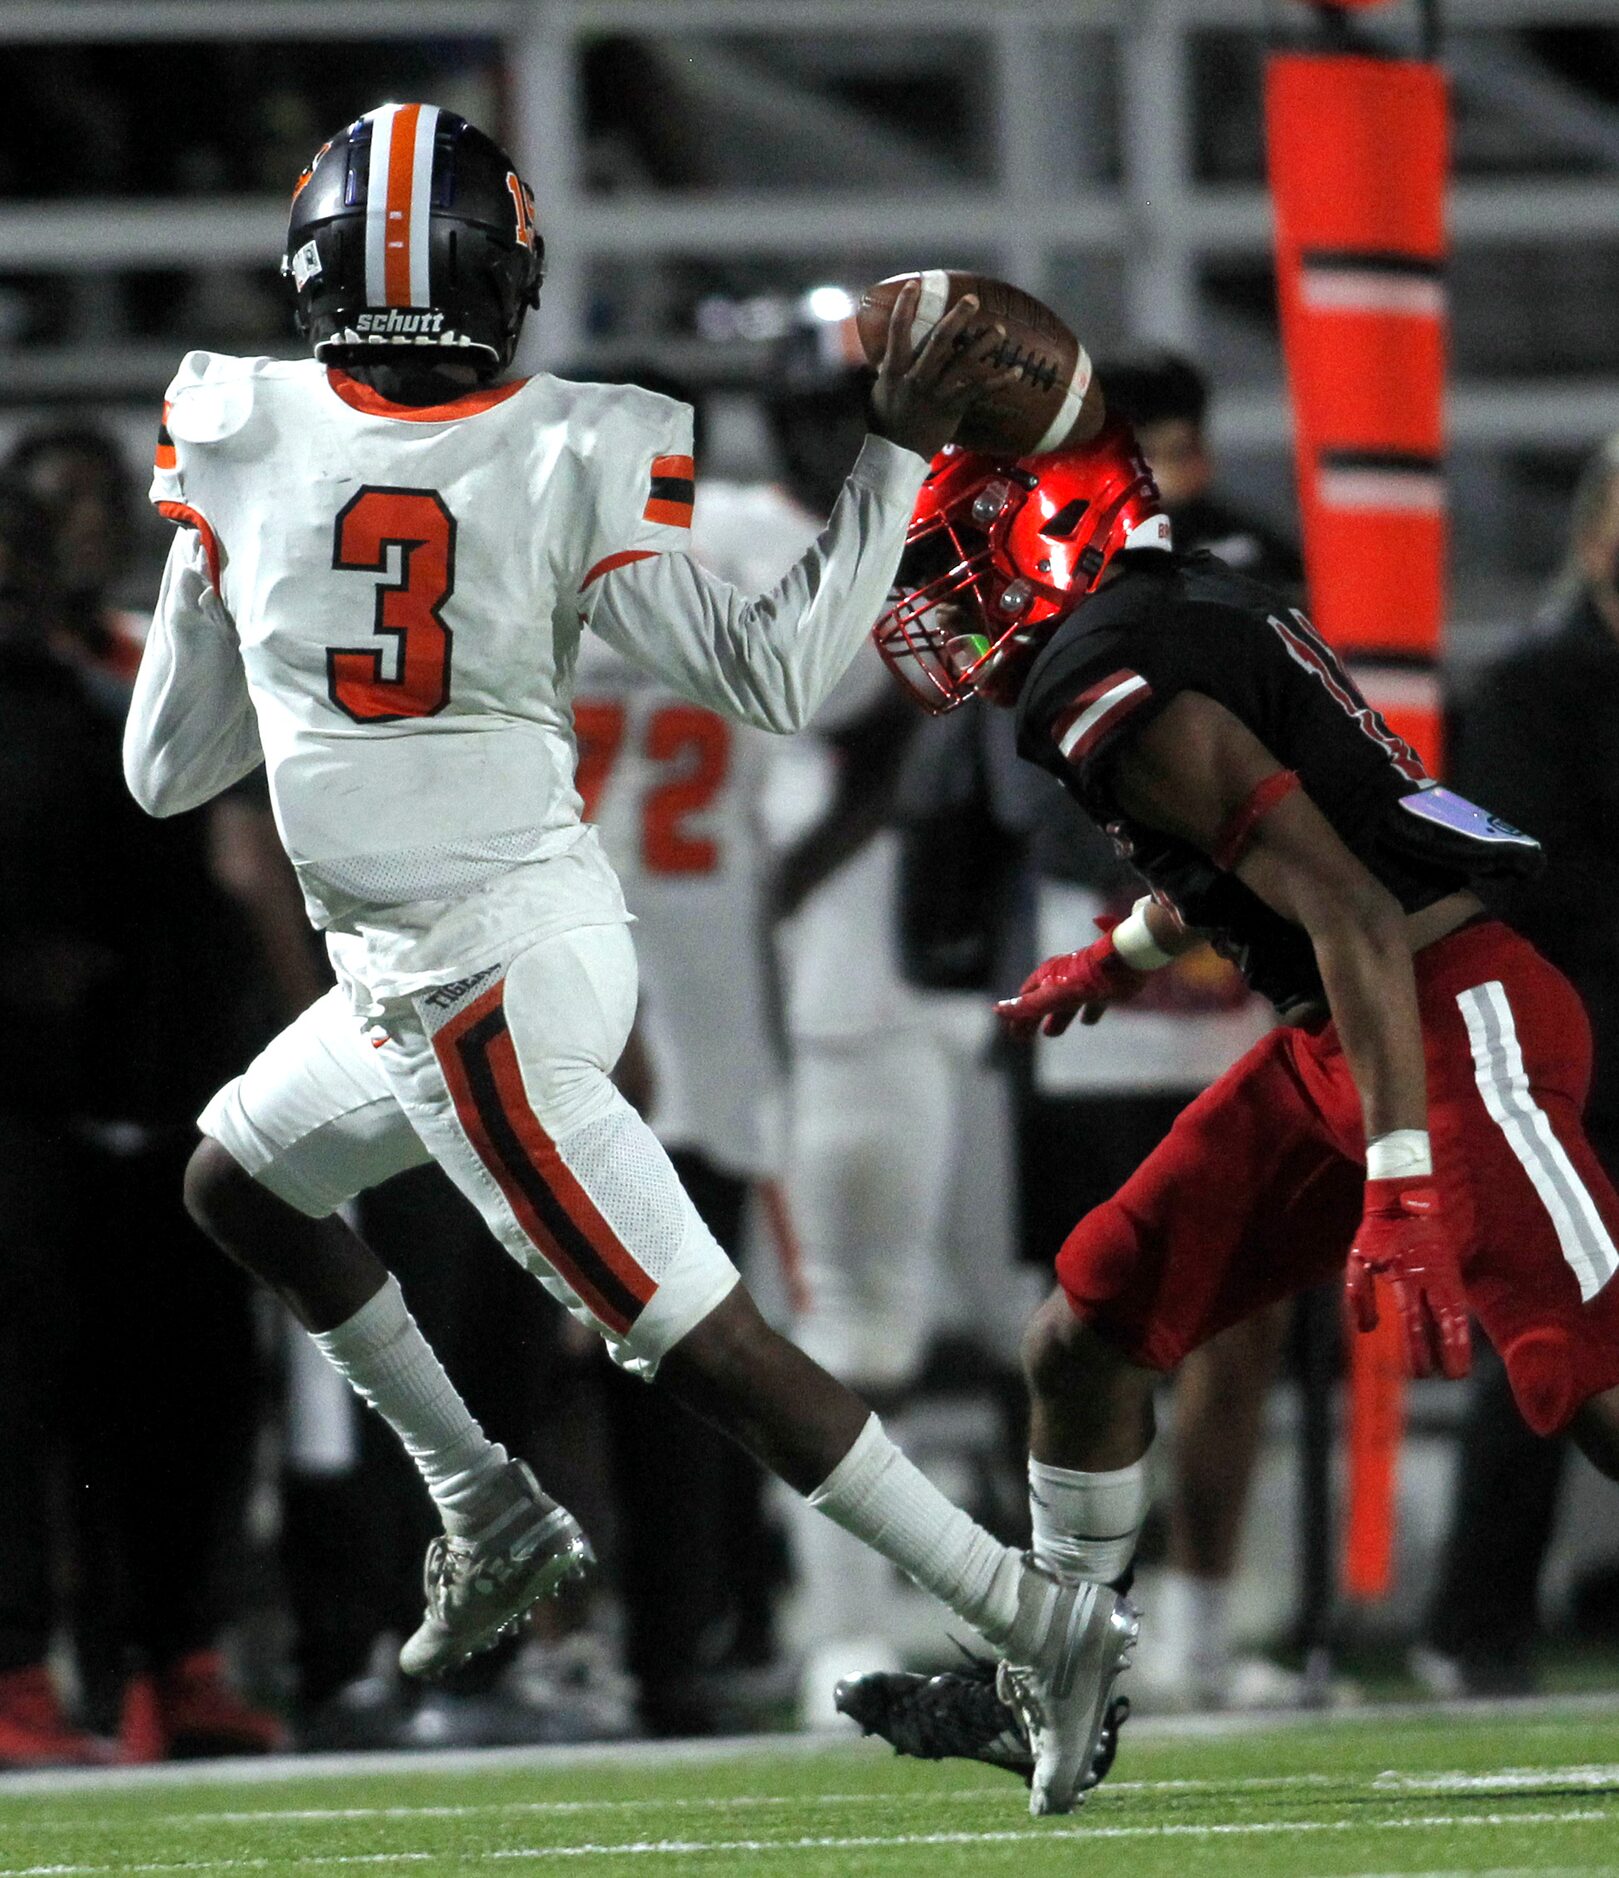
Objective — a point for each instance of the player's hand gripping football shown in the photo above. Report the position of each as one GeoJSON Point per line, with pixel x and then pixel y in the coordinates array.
{"type": "Point", "coordinates": [1077, 984]}
{"type": "Point", "coordinates": [922, 393]}
{"type": "Point", "coordinates": [1402, 1242]}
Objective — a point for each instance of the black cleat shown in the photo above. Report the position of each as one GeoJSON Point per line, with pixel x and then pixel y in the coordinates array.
{"type": "Point", "coordinates": [959, 1716]}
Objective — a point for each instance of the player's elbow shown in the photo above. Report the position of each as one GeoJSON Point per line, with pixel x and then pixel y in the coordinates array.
{"type": "Point", "coordinates": [146, 790]}
{"type": "Point", "coordinates": [158, 789]}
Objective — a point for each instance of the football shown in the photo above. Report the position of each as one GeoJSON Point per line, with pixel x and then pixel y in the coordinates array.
{"type": "Point", "coordinates": [1054, 400]}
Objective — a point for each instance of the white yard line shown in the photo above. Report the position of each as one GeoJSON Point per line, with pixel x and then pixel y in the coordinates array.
{"type": "Point", "coordinates": [1002, 1790]}
{"type": "Point", "coordinates": [680, 1848]}
{"type": "Point", "coordinates": [1506, 1780]}
{"type": "Point", "coordinates": [1498, 1871]}
{"type": "Point", "coordinates": [494, 1809]}
{"type": "Point", "coordinates": [1503, 1780]}
{"type": "Point", "coordinates": [1528, 1717]}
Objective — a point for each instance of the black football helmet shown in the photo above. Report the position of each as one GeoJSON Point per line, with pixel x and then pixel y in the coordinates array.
{"type": "Point", "coordinates": [412, 230]}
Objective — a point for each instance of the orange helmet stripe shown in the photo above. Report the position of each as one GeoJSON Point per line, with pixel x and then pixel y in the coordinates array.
{"type": "Point", "coordinates": [399, 202]}
{"type": "Point", "coordinates": [396, 268]}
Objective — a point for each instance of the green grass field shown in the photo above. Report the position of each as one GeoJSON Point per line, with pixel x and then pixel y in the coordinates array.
{"type": "Point", "coordinates": [1535, 1791]}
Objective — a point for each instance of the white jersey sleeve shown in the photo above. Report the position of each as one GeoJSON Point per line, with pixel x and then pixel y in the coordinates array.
{"type": "Point", "coordinates": [190, 731]}
{"type": "Point", "coordinates": [769, 660]}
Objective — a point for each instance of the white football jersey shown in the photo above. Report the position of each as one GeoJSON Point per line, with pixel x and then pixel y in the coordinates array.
{"type": "Point", "coordinates": [388, 602]}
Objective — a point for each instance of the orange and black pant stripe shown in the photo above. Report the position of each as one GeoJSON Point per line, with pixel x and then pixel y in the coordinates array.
{"type": "Point", "coordinates": [479, 1062]}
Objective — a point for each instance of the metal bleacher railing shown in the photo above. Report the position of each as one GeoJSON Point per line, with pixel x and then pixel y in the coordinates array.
{"type": "Point", "coordinates": [1155, 220]}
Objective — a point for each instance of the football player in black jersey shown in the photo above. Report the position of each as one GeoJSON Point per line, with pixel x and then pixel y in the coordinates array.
{"type": "Point", "coordinates": [1415, 1118]}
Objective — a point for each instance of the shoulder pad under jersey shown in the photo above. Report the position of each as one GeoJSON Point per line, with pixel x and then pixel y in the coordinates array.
{"type": "Point", "coordinates": [211, 396]}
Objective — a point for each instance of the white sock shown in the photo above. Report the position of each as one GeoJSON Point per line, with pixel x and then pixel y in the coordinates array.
{"type": "Point", "coordinates": [1086, 1525]}
{"type": "Point", "coordinates": [386, 1360]}
{"type": "Point", "coordinates": [882, 1498]}
{"type": "Point", "coordinates": [1194, 1622]}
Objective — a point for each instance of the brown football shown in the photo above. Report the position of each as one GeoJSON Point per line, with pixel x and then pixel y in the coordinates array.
{"type": "Point", "coordinates": [1054, 399]}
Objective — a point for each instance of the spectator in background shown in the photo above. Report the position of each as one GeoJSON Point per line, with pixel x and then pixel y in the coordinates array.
{"type": "Point", "coordinates": [1166, 398]}
{"type": "Point", "coordinates": [1541, 728]}
{"type": "Point", "coordinates": [58, 805]}
{"type": "Point", "coordinates": [158, 1324]}
{"type": "Point", "coordinates": [78, 475]}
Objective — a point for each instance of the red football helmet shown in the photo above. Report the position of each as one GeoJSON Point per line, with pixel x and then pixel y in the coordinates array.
{"type": "Point", "coordinates": [997, 553]}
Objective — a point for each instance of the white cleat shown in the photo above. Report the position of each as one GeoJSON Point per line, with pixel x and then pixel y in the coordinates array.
{"type": "Point", "coordinates": [477, 1591]}
{"type": "Point", "coordinates": [1079, 1637]}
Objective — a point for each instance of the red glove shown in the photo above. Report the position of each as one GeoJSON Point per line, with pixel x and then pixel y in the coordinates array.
{"type": "Point", "coordinates": [1077, 983]}
{"type": "Point", "coordinates": [1402, 1240]}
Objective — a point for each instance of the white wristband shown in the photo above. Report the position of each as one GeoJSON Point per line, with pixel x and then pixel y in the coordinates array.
{"type": "Point", "coordinates": [1399, 1155]}
{"type": "Point", "coordinates": [1134, 943]}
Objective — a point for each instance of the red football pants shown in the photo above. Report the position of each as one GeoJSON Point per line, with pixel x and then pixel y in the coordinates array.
{"type": "Point", "coordinates": [1255, 1193]}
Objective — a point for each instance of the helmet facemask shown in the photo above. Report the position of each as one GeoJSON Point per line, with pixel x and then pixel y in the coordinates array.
{"type": "Point", "coordinates": [953, 612]}
{"type": "Point", "coordinates": [999, 553]}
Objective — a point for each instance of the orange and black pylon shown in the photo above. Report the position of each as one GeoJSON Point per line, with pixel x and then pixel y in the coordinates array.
{"type": "Point", "coordinates": [1358, 151]}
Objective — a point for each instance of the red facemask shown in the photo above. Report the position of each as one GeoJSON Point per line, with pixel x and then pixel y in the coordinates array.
{"type": "Point", "coordinates": [999, 553]}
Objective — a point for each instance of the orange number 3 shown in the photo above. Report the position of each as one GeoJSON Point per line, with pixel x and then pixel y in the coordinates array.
{"type": "Point", "coordinates": [378, 685]}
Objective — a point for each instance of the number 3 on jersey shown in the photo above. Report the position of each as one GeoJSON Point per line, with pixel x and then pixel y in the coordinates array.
{"type": "Point", "coordinates": [408, 675]}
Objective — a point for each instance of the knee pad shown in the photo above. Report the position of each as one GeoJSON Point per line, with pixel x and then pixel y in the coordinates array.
{"type": "Point", "coordinates": [1541, 1368]}
{"type": "Point", "coordinates": [621, 1164]}
{"type": "Point", "coordinates": [632, 1183]}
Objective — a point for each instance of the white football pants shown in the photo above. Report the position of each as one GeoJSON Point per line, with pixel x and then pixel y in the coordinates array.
{"type": "Point", "coordinates": [503, 1079]}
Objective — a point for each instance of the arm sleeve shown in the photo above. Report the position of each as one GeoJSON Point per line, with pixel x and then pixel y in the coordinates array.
{"type": "Point", "coordinates": [770, 660]}
{"type": "Point", "coordinates": [191, 730]}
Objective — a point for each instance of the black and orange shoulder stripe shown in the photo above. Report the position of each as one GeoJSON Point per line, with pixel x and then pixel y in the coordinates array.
{"type": "Point", "coordinates": [672, 491]}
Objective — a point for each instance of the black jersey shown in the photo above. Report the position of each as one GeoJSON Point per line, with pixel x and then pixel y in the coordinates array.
{"type": "Point", "coordinates": [1173, 624]}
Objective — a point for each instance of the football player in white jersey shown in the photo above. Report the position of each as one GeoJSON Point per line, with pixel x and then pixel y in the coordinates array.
{"type": "Point", "coordinates": [388, 558]}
